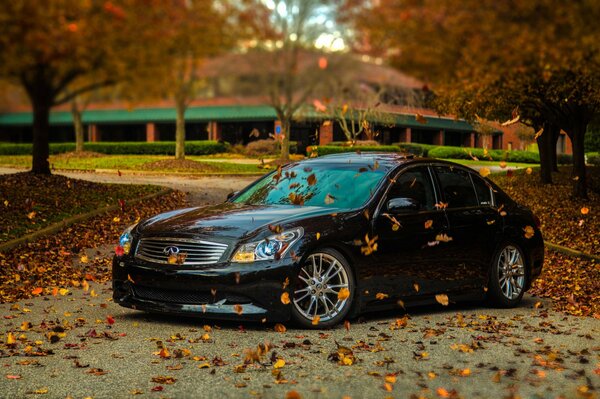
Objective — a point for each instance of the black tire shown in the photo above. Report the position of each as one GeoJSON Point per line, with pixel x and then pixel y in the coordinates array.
{"type": "Point", "coordinates": [503, 276]}
{"type": "Point", "coordinates": [345, 275]}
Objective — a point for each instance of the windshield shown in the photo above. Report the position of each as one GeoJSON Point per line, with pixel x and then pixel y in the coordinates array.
{"type": "Point", "coordinates": [333, 186]}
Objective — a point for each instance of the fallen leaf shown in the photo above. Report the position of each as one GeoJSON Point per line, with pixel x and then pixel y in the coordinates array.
{"type": "Point", "coordinates": [442, 299]}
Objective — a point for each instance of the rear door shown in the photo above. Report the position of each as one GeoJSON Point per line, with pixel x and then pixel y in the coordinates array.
{"type": "Point", "coordinates": [473, 225]}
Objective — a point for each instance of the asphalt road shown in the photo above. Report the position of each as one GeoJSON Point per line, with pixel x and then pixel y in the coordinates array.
{"type": "Point", "coordinates": [83, 345]}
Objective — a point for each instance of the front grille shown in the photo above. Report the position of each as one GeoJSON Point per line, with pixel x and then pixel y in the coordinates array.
{"type": "Point", "coordinates": [191, 252]}
{"type": "Point", "coordinates": [186, 297]}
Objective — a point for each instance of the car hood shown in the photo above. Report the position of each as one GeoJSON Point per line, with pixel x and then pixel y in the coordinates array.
{"type": "Point", "coordinates": [227, 220]}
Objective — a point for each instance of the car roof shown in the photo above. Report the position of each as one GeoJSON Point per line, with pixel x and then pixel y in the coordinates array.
{"type": "Point", "coordinates": [385, 159]}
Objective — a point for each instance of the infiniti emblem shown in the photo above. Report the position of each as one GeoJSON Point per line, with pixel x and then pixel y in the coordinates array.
{"type": "Point", "coordinates": [171, 251]}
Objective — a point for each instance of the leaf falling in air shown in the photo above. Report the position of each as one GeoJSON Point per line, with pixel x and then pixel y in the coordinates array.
{"type": "Point", "coordinates": [343, 293]}
{"type": "Point", "coordinates": [585, 210]}
{"type": "Point", "coordinates": [538, 133]}
{"type": "Point", "coordinates": [528, 232]}
{"type": "Point", "coordinates": [442, 299]}
{"type": "Point", "coordinates": [316, 320]}
{"type": "Point", "coordinates": [381, 296]}
{"type": "Point", "coordinates": [280, 328]}
{"type": "Point", "coordinates": [329, 199]}
{"type": "Point", "coordinates": [485, 172]}
{"type": "Point", "coordinates": [420, 118]}
{"type": "Point", "coordinates": [529, 171]}
{"type": "Point", "coordinates": [370, 245]}
{"type": "Point", "coordinates": [239, 309]}
{"type": "Point", "coordinates": [311, 179]}
{"type": "Point", "coordinates": [428, 224]}
{"type": "Point", "coordinates": [285, 298]}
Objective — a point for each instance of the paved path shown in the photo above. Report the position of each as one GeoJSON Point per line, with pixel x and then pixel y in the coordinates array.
{"type": "Point", "coordinates": [83, 345]}
{"type": "Point", "coordinates": [201, 190]}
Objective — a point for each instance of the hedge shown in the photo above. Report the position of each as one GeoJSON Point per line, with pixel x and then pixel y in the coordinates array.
{"type": "Point", "coordinates": [334, 149]}
{"type": "Point", "coordinates": [121, 148]}
{"type": "Point", "coordinates": [593, 158]}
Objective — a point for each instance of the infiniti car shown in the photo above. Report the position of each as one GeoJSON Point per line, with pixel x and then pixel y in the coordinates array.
{"type": "Point", "coordinates": [321, 240]}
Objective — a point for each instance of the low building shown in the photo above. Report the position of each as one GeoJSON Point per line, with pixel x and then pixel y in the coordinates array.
{"type": "Point", "coordinates": [230, 112]}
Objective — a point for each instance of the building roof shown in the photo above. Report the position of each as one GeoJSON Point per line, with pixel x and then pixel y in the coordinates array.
{"type": "Point", "coordinates": [229, 113]}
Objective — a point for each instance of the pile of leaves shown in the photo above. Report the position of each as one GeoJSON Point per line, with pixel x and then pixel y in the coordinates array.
{"type": "Point", "coordinates": [572, 283]}
{"type": "Point", "coordinates": [31, 202]}
{"type": "Point", "coordinates": [565, 220]}
{"type": "Point", "coordinates": [59, 262]}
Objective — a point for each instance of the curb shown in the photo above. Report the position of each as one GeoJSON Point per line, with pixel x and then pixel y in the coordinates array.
{"type": "Point", "coordinates": [54, 228]}
{"type": "Point", "coordinates": [570, 252]}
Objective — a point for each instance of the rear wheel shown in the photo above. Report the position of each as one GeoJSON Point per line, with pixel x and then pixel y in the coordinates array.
{"type": "Point", "coordinates": [317, 302]}
{"type": "Point", "coordinates": [507, 278]}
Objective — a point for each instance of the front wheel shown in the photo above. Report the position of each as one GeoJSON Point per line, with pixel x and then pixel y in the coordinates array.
{"type": "Point", "coordinates": [323, 291]}
{"type": "Point", "coordinates": [507, 277]}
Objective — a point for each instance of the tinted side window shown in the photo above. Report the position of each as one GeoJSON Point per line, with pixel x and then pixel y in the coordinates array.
{"type": "Point", "coordinates": [414, 183]}
{"type": "Point", "coordinates": [484, 192]}
{"type": "Point", "coordinates": [457, 187]}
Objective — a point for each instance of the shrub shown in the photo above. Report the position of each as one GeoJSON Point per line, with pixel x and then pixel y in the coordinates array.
{"type": "Point", "coordinates": [122, 148]}
{"type": "Point", "coordinates": [418, 149]}
{"type": "Point", "coordinates": [593, 158]}
{"type": "Point", "coordinates": [495, 155]}
{"type": "Point", "coordinates": [331, 149]}
{"type": "Point", "coordinates": [262, 147]}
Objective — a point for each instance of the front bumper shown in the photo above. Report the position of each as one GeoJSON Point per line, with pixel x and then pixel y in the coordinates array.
{"type": "Point", "coordinates": [228, 291]}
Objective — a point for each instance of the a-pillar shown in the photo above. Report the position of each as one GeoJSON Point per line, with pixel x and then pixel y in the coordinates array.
{"type": "Point", "coordinates": [438, 138]}
{"type": "Point", "coordinates": [406, 136]}
{"type": "Point", "coordinates": [93, 133]}
{"type": "Point", "coordinates": [469, 140]}
{"type": "Point", "coordinates": [214, 131]}
{"type": "Point", "coordinates": [151, 133]}
{"type": "Point", "coordinates": [326, 133]}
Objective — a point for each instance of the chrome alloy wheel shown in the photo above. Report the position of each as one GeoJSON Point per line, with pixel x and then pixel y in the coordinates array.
{"type": "Point", "coordinates": [316, 294]}
{"type": "Point", "coordinates": [511, 272]}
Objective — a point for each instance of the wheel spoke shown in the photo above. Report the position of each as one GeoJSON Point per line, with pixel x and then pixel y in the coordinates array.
{"type": "Point", "coordinates": [302, 297]}
{"type": "Point", "coordinates": [333, 275]}
{"type": "Point", "coordinates": [325, 305]}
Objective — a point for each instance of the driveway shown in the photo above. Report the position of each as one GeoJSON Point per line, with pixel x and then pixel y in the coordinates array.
{"type": "Point", "coordinates": [83, 345]}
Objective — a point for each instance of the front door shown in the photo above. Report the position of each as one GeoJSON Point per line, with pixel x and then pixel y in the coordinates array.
{"type": "Point", "coordinates": [409, 257]}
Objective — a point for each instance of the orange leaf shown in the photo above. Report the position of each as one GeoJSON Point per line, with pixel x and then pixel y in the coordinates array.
{"type": "Point", "coordinates": [381, 295]}
{"type": "Point", "coordinates": [316, 320]}
{"type": "Point", "coordinates": [37, 291]}
{"type": "Point", "coordinates": [280, 328]}
{"type": "Point", "coordinates": [239, 309]}
{"type": "Point", "coordinates": [285, 298]}
{"type": "Point", "coordinates": [442, 299]}
{"type": "Point", "coordinates": [343, 293]}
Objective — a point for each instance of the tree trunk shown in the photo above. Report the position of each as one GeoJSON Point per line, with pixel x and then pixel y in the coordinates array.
{"type": "Point", "coordinates": [547, 152]}
{"type": "Point", "coordinates": [180, 131]}
{"type": "Point", "coordinates": [78, 125]}
{"type": "Point", "coordinates": [577, 136]}
{"type": "Point", "coordinates": [555, 130]}
{"type": "Point", "coordinates": [41, 127]}
{"type": "Point", "coordinates": [285, 143]}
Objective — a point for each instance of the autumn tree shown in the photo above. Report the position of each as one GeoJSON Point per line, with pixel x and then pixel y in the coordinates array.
{"type": "Point", "coordinates": [296, 24]}
{"type": "Point", "coordinates": [57, 50]}
{"type": "Point", "coordinates": [537, 59]}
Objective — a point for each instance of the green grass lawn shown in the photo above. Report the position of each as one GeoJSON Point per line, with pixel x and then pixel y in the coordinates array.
{"type": "Point", "coordinates": [125, 162]}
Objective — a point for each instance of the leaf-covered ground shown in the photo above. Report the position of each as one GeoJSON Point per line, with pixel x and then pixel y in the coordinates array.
{"type": "Point", "coordinates": [572, 283]}
{"type": "Point", "coordinates": [567, 221]}
{"type": "Point", "coordinates": [81, 344]}
{"type": "Point", "coordinates": [63, 260]}
{"type": "Point", "coordinates": [29, 202]}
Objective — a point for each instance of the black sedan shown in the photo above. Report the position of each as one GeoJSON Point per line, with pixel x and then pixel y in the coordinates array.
{"type": "Point", "coordinates": [321, 240]}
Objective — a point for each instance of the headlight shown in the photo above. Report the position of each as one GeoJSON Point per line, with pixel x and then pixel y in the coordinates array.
{"type": "Point", "coordinates": [126, 239]}
{"type": "Point", "coordinates": [273, 247]}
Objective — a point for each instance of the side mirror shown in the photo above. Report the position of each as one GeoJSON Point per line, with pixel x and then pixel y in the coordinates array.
{"type": "Point", "coordinates": [231, 195]}
{"type": "Point", "coordinates": [402, 205]}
